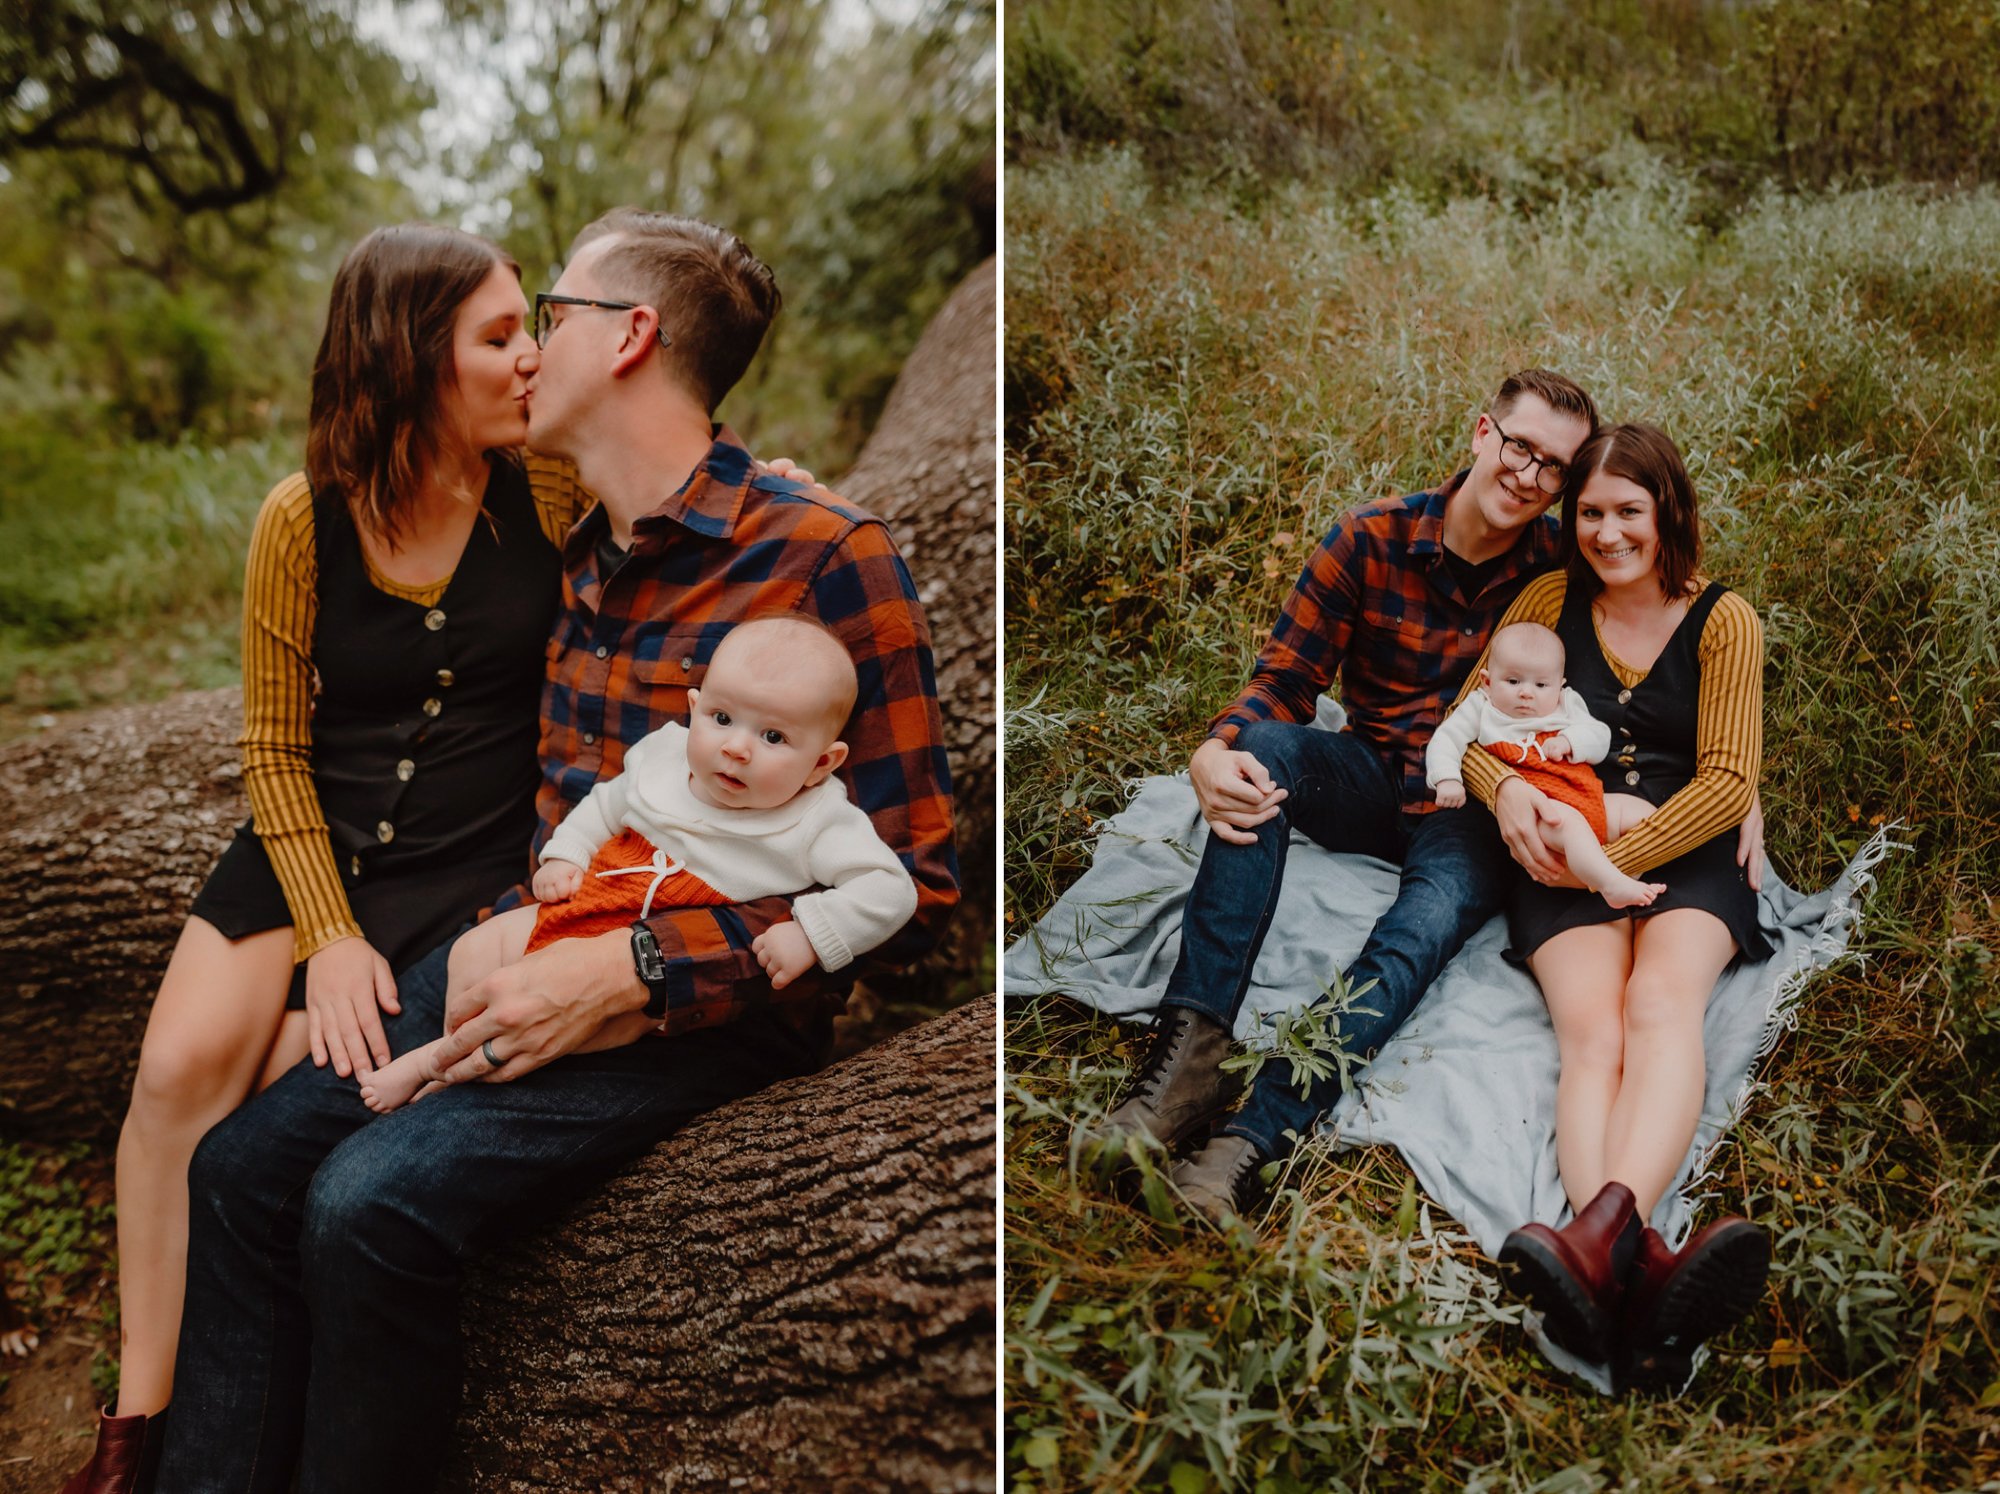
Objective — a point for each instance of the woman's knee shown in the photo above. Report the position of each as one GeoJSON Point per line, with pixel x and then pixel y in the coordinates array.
{"type": "Point", "coordinates": [189, 1073]}
{"type": "Point", "coordinates": [1658, 1001]}
{"type": "Point", "coordinates": [1594, 1047]}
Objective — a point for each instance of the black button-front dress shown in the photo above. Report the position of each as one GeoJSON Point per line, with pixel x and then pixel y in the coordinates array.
{"type": "Point", "coordinates": [424, 733]}
{"type": "Point", "coordinates": [1653, 724]}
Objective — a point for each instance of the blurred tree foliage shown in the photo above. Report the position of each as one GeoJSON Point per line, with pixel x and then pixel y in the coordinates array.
{"type": "Point", "coordinates": [179, 179]}
{"type": "Point", "coordinates": [1451, 95]}
{"type": "Point", "coordinates": [858, 165]}
{"type": "Point", "coordinates": [169, 171]}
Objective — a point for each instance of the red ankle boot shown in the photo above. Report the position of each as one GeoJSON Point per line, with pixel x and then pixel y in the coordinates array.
{"type": "Point", "coordinates": [126, 1455]}
{"type": "Point", "coordinates": [1573, 1276]}
{"type": "Point", "coordinates": [1674, 1301]}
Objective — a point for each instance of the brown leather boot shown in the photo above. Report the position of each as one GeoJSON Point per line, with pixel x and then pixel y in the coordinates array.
{"type": "Point", "coordinates": [1674, 1301]}
{"type": "Point", "coordinates": [1175, 1092]}
{"type": "Point", "coordinates": [1222, 1180]}
{"type": "Point", "coordinates": [1573, 1276]}
{"type": "Point", "coordinates": [125, 1458]}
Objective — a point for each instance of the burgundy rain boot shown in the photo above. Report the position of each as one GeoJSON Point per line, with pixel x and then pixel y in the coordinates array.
{"type": "Point", "coordinates": [127, 1453]}
{"type": "Point", "coordinates": [1573, 1276]}
{"type": "Point", "coordinates": [1674, 1301]}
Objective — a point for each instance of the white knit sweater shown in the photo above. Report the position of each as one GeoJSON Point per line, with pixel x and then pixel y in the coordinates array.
{"type": "Point", "coordinates": [744, 854]}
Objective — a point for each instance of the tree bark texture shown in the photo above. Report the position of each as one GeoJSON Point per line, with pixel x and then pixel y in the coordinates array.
{"type": "Point", "coordinates": [108, 829]}
{"type": "Point", "coordinates": [795, 1293]}
{"type": "Point", "coordinates": [928, 471]}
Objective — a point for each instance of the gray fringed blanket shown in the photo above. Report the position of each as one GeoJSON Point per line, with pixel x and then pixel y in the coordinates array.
{"type": "Point", "coordinates": [1466, 1090]}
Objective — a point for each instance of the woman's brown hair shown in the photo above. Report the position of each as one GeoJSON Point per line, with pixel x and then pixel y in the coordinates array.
{"type": "Point", "coordinates": [1646, 455]}
{"type": "Point", "coordinates": [386, 356]}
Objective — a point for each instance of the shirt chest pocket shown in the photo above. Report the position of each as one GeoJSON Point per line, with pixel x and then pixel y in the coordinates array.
{"type": "Point", "coordinates": [663, 667]}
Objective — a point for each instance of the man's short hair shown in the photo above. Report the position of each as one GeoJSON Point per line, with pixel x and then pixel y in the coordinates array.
{"type": "Point", "coordinates": [715, 298]}
{"type": "Point", "coordinates": [1564, 396]}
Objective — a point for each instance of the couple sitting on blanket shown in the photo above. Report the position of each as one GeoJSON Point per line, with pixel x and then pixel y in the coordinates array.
{"type": "Point", "coordinates": [1612, 649]}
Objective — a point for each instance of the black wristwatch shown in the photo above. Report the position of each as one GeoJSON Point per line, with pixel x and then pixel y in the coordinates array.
{"type": "Point", "coordinates": [652, 968]}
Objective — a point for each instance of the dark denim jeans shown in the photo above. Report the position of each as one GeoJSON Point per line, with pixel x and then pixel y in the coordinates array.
{"type": "Point", "coordinates": [326, 1243]}
{"type": "Point", "coordinates": [1343, 796]}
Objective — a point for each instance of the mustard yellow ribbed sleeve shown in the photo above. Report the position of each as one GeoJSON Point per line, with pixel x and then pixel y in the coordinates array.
{"type": "Point", "coordinates": [560, 500]}
{"type": "Point", "coordinates": [1728, 743]}
{"type": "Point", "coordinates": [280, 605]}
{"type": "Point", "coordinates": [1729, 730]}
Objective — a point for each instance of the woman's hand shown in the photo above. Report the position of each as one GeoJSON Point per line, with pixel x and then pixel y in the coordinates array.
{"type": "Point", "coordinates": [1236, 793]}
{"type": "Point", "coordinates": [345, 982]}
{"type": "Point", "coordinates": [1750, 843]}
{"type": "Point", "coordinates": [1523, 810]}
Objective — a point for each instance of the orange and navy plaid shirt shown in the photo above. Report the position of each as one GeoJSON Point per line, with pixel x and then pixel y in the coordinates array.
{"type": "Point", "coordinates": [731, 544]}
{"type": "Point", "coordinates": [1379, 604]}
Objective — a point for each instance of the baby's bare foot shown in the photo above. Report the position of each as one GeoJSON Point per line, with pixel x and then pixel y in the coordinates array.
{"type": "Point", "coordinates": [1627, 892]}
{"type": "Point", "coordinates": [392, 1086]}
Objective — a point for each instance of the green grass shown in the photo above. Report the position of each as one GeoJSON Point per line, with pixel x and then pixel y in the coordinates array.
{"type": "Point", "coordinates": [1197, 388]}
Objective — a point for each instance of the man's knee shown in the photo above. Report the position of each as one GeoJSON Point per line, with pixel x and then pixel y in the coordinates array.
{"type": "Point", "coordinates": [1278, 745]}
{"type": "Point", "coordinates": [364, 1211]}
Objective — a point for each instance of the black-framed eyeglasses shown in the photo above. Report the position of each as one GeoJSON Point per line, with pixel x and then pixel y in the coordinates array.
{"type": "Point", "coordinates": [1517, 455]}
{"type": "Point", "coordinates": [546, 323]}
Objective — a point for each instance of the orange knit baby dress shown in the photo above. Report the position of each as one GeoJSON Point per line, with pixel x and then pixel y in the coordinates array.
{"type": "Point", "coordinates": [629, 873]}
{"type": "Point", "coordinates": [1572, 783]}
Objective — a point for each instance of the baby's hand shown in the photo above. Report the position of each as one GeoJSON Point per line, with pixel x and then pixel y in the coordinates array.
{"type": "Point", "coordinates": [785, 953]}
{"type": "Point", "coordinates": [1450, 793]}
{"type": "Point", "coordinates": [1557, 749]}
{"type": "Point", "coordinates": [557, 881]}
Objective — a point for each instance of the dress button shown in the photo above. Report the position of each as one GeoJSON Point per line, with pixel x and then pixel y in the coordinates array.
{"type": "Point", "coordinates": [1623, 696]}
{"type": "Point", "coordinates": [433, 706]}
{"type": "Point", "coordinates": [385, 832]}
{"type": "Point", "coordinates": [404, 769]}
{"type": "Point", "coordinates": [603, 652]}
{"type": "Point", "coordinates": [589, 737]}
{"type": "Point", "coordinates": [355, 866]}
{"type": "Point", "coordinates": [434, 619]}
{"type": "Point", "coordinates": [447, 678]}
{"type": "Point", "coordinates": [1632, 778]}
{"type": "Point", "coordinates": [687, 662]}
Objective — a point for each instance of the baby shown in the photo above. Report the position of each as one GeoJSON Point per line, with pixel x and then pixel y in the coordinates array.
{"type": "Point", "coordinates": [738, 804]}
{"type": "Point", "coordinates": [1524, 715]}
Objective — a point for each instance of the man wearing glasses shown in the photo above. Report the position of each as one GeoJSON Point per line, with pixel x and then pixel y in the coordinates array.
{"type": "Point", "coordinates": [1397, 601]}
{"type": "Point", "coordinates": [327, 1245]}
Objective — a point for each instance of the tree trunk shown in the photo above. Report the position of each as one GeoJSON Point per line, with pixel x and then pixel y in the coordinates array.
{"type": "Point", "coordinates": [928, 471]}
{"type": "Point", "coordinates": [795, 1293]}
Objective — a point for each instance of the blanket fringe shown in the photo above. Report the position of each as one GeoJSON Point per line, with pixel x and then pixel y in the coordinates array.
{"type": "Point", "coordinates": [1830, 944]}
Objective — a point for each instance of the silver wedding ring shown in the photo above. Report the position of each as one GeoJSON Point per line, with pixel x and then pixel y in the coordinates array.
{"type": "Point", "coordinates": [491, 1057]}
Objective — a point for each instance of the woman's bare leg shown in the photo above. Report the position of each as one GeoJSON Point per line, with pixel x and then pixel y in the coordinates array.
{"type": "Point", "coordinates": [220, 1006]}
{"type": "Point", "coordinates": [1583, 973]}
{"type": "Point", "coordinates": [290, 1045]}
{"type": "Point", "coordinates": [1676, 958]}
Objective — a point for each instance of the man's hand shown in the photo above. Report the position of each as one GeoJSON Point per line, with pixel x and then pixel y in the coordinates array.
{"type": "Point", "coordinates": [1235, 792]}
{"type": "Point", "coordinates": [1450, 793]}
{"type": "Point", "coordinates": [1557, 749]}
{"type": "Point", "coordinates": [539, 1008]}
{"type": "Point", "coordinates": [345, 983]}
{"type": "Point", "coordinates": [556, 881]}
{"type": "Point", "coordinates": [1750, 843]}
{"type": "Point", "coordinates": [1527, 819]}
{"type": "Point", "coordinates": [784, 952]}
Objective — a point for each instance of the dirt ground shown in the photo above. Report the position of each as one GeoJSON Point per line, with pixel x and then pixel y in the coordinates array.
{"type": "Point", "coordinates": [46, 1415]}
